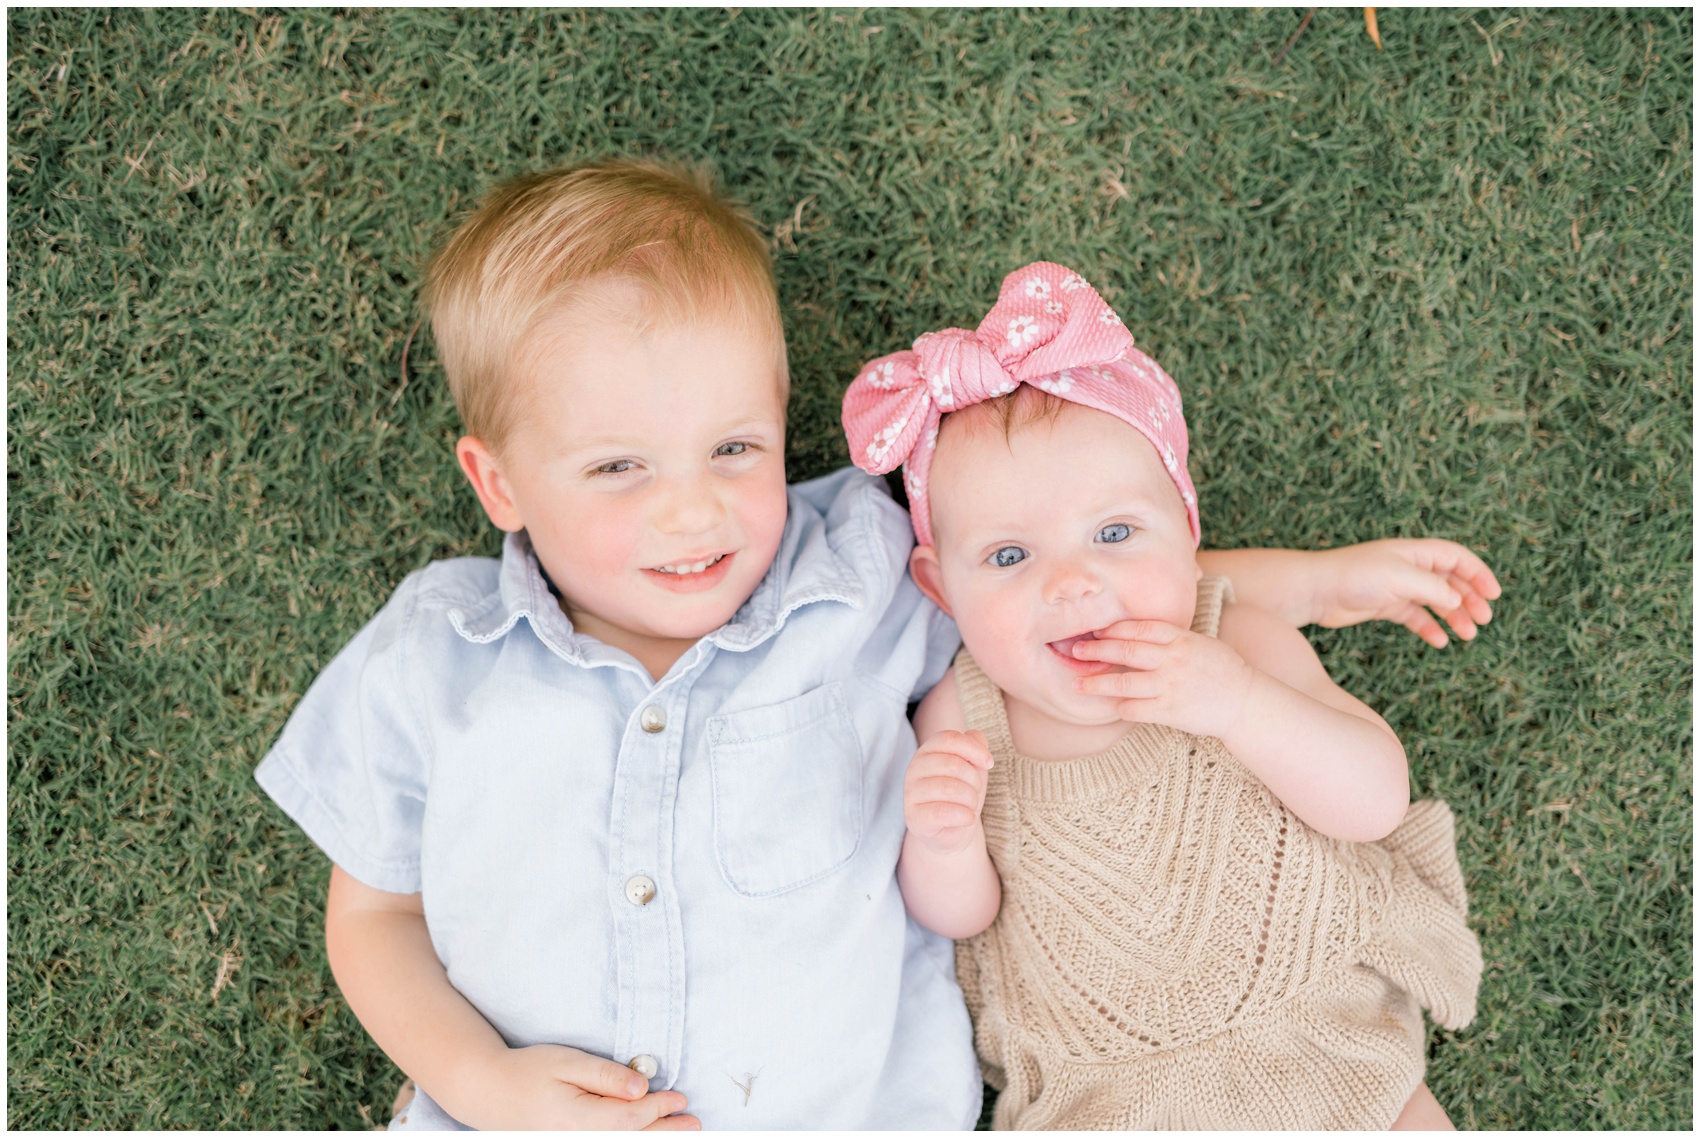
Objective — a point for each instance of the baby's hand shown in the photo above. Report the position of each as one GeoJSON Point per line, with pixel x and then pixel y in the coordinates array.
{"type": "Point", "coordinates": [1177, 677]}
{"type": "Point", "coordinates": [945, 789]}
{"type": "Point", "coordinates": [562, 1088]}
{"type": "Point", "coordinates": [1400, 579]}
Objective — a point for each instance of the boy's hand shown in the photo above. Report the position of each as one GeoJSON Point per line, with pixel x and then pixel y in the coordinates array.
{"type": "Point", "coordinates": [1176, 677]}
{"type": "Point", "coordinates": [1399, 580]}
{"type": "Point", "coordinates": [546, 1087]}
{"type": "Point", "coordinates": [945, 789]}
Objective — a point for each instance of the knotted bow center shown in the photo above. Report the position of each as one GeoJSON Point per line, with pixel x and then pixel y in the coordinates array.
{"type": "Point", "coordinates": [959, 369]}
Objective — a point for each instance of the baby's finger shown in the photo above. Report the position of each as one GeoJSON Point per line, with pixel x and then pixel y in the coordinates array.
{"type": "Point", "coordinates": [1430, 589]}
{"type": "Point", "coordinates": [969, 745]}
{"type": "Point", "coordinates": [929, 790]}
{"type": "Point", "coordinates": [1154, 631]}
{"type": "Point", "coordinates": [1459, 621]}
{"type": "Point", "coordinates": [942, 764]}
{"type": "Point", "coordinates": [1474, 603]}
{"type": "Point", "coordinates": [1417, 619]}
{"type": "Point", "coordinates": [1473, 569]}
{"type": "Point", "coordinates": [1140, 654]}
{"type": "Point", "coordinates": [1126, 685]}
{"type": "Point", "coordinates": [1136, 710]}
{"type": "Point", "coordinates": [937, 817]}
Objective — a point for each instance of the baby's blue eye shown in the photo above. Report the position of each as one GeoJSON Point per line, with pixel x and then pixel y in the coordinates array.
{"type": "Point", "coordinates": [727, 450]}
{"type": "Point", "coordinates": [1008, 555]}
{"type": "Point", "coordinates": [1115, 533]}
{"type": "Point", "coordinates": [618, 466]}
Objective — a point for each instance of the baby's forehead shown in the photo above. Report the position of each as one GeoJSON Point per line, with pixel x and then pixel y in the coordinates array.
{"type": "Point", "coordinates": [1081, 453]}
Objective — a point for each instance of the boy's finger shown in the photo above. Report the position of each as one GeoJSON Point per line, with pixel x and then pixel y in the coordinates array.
{"type": "Point", "coordinates": [615, 1114]}
{"type": "Point", "coordinates": [676, 1122]}
{"type": "Point", "coordinates": [602, 1076]}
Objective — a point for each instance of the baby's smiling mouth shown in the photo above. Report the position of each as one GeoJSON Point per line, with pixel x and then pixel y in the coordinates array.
{"type": "Point", "coordinates": [1065, 647]}
{"type": "Point", "coordinates": [1064, 650]}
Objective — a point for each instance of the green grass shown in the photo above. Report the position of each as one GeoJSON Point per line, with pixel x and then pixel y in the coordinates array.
{"type": "Point", "coordinates": [1442, 289]}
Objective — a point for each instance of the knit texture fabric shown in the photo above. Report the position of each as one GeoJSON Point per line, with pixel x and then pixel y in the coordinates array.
{"type": "Point", "coordinates": [1176, 950]}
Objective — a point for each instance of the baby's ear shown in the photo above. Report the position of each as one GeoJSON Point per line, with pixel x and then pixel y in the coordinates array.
{"type": "Point", "coordinates": [484, 470]}
{"type": "Point", "coordinates": [924, 568]}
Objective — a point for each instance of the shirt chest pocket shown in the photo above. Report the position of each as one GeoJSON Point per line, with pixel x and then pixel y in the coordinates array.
{"type": "Point", "coordinates": [787, 791]}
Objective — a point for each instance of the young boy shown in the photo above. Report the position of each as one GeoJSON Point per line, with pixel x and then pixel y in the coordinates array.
{"type": "Point", "coordinates": [615, 818]}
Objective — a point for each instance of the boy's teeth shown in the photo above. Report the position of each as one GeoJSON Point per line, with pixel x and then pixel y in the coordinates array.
{"type": "Point", "coordinates": [697, 567]}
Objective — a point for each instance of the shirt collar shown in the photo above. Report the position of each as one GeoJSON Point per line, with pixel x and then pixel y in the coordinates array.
{"type": "Point", "coordinates": [808, 568]}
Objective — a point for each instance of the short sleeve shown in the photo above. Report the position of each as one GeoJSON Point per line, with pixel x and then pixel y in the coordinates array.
{"type": "Point", "coordinates": [942, 642]}
{"type": "Point", "coordinates": [352, 763]}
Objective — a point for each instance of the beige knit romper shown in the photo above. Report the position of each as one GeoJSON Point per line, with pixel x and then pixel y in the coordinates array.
{"type": "Point", "coordinates": [1175, 950]}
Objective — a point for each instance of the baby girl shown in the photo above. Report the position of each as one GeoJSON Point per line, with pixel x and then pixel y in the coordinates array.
{"type": "Point", "coordinates": [1189, 885]}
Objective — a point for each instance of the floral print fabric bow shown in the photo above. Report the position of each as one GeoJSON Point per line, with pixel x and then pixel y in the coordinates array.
{"type": "Point", "coordinates": [1049, 328]}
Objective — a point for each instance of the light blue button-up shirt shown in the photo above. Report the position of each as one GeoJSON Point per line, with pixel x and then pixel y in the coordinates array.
{"type": "Point", "coordinates": [469, 745]}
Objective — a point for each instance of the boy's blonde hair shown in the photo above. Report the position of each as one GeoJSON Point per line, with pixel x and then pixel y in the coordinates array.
{"type": "Point", "coordinates": [536, 241]}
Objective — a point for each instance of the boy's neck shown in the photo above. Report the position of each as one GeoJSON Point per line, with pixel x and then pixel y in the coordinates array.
{"type": "Point", "coordinates": [656, 654]}
{"type": "Point", "coordinates": [1040, 736]}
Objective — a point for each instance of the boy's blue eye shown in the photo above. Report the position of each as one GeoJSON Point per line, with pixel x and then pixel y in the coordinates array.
{"type": "Point", "coordinates": [1008, 555]}
{"type": "Point", "coordinates": [618, 466]}
{"type": "Point", "coordinates": [727, 450]}
{"type": "Point", "coordinates": [1115, 533]}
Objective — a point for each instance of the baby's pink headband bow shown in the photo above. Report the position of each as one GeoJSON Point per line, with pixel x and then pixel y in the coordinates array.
{"type": "Point", "coordinates": [1050, 329]}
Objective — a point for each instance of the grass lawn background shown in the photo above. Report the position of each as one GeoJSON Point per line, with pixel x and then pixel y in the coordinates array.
{"type": "Point", "coordinates": [1442, 289]}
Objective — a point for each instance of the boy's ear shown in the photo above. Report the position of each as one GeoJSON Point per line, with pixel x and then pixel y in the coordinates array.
{"type": "Point", "coordinates": [484, 470]}
{"type": "Point", "coordinates": [924, 568]}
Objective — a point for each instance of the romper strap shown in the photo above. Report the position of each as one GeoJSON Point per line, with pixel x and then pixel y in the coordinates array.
{"type": "Point", "coordinates": [982, 707]}
{"type": "Point", "coordinates": [1213, 593]}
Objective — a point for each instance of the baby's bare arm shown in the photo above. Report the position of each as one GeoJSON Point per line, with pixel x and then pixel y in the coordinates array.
{"type": "Point", "coordinates": [1398, 580]}
{"type": "Point", "coordinates": [381, 955]}
{"type": "Point", "coordinates": [948, 881]}
{"type": "Point", "coordinates": [1259, 688]}
{"type": "Point", "coordinates": [1333, 761]}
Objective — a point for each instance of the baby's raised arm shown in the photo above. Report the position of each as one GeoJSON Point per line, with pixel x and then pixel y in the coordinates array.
{"type": "Point", "coordinates": [1398, 579]}
{"type": "Point", "coordinates": [948, 881]}
{"type": "Point", "coordinates": [1259, 688]}
{"type": "Point", "coordinates": [381, 955]}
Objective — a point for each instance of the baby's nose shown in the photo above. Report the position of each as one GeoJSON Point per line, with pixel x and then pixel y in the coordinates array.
{"type": "Point", "coordinates": [1068, 583]}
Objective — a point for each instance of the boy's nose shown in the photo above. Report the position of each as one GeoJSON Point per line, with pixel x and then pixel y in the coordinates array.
{"type": "Point", "coordinates": [688, 508]}
{"type": "Point", "coordinates": [1069, 583]}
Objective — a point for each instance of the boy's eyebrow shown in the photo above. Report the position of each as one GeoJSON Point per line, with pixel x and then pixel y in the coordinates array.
{"type": "Point", "coordinates": [622, 442]}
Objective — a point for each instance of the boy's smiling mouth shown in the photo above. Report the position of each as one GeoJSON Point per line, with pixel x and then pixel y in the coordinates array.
{"type": "Point", "coordinates": [691, 576]}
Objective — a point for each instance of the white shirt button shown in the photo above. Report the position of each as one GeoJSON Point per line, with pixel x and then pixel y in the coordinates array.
{"type": "Point", "coordinates": [640, 890]}
{"type": "Point", "coordinates": [644, 1065]}
{"type": "Point", "coordinates": [653, 719]}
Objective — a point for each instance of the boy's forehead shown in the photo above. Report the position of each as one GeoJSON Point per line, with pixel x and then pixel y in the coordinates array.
{"type": "Point", "coordinates": [607, 372]}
